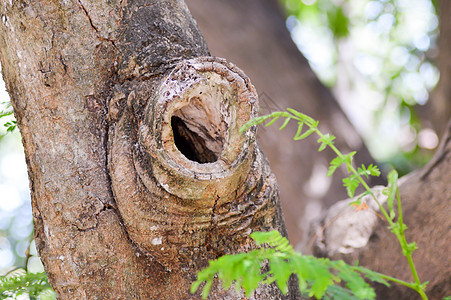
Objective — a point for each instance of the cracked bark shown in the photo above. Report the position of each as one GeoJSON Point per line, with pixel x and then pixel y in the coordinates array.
{"type": "Point", "coordinates": [120, 212]}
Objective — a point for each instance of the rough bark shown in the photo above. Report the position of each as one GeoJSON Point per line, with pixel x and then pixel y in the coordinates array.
{"type": "Point", "coordinates": [425, 195]}
{"type": "Point", "coordinates": [252, 33]}
{"type": "Point", "coordinates": [109, 96]}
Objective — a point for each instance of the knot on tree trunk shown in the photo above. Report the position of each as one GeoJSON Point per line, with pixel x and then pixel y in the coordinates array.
{"type": "Point", "coordinates": [189, 187]}
{"type": "Point", "coordinates": [191, 129]}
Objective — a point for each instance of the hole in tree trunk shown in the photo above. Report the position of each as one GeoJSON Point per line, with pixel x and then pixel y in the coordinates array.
{"type": "Point", "coordinates": [199, 131]}
{"type": "Point", "coordinates": [190, 143]}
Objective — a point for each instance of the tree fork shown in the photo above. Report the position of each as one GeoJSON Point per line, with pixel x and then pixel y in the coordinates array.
{"type": "Point", "coordinates": [137, 172]}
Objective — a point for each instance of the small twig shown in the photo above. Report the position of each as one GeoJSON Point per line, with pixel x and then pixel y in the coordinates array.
{"type": "Point", "coordinates": [27, 253]}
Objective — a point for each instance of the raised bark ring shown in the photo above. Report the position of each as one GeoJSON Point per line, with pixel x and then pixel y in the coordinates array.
{"type": "Point", "coordinates": [191, 129]}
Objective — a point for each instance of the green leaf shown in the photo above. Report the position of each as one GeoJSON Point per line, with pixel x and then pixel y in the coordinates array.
{"type": "Point", "coordinates": [265, 237]}
{"type": "Point", "coordinates": [334, 164]}
{"type": "Point", "coordinates": [314, 271]}
{"type": "Point", "coordinates": [301, 116]}
{"type": "Point", "coordinates": [351, 183]}
{"type": "Point", "coordinates": [374, 170]}
{"type": "Point", "coordinates": [314, 124]}
{"type": "Point", "coordinates": [274, 239]}
{"type": "Point", "coordinates": [301, 269]}
{"type": "Point", "coordinates": [337, 161]}
{"type": "Point", "coordinates": [5, 113]}
{"type": "Point", "coordinates": [396, 228]}
{"type": "Point", "coordinates": [348, 159]}
{"type": "Point", "coordinates": [370, 171]}
{"type": "Point", "coordinates": [194, 286]}
{"type": "Point", "coordinates": [11, 128]}
{"type": "Point", "coordinates": [261, 119]}
{"type": "Point", "coordinates": [285, 123]}
{"type": "Point", "coordinates": [325, 140]}
{"type": "Point", "coordinates": [335, 292]}
{"type": "Point", "coordinates": [321, 283]}
{"type": "Point", "coordinates": [228, 267]}
{"type": "Point", "coordinates": [411, 247]}
{"type": "Point", "coordinates": [272, 121]}
{"type": "Point", "coordinates": [357, 202]}
{"type": "Point", "coordinates": [281, 271]}
{"type": "Point", "coordinates": [284, 246]}
{"type": "Point", "coordinates": [255, 121]}
{"type": "Point", "coordinates": [371, 275]}
{"type": "Point", "coordinates": [354, 281]}
{"type": "Point", "coordinates": [251, 277]}
{"type": "Point", "coordinates": [392, 189]}
{"type": "Point", "coordinates": [305, 134]}
{"type": "Point", "coordinates": [206, 289]}
{"type": "Point", "coordinates": [424, 285]}
{"type": "Point", "coordinates": [299, 131]}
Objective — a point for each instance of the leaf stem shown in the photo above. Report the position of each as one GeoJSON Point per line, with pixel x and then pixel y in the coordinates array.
{"type": "Point", "coordinates": [407, 250]}
{"type": "Point", "coordinates": [354, 171]}
{"type": "Point", "coordinates": [325, 140]}
{"type": "Point", "coordinates": [398, 281]}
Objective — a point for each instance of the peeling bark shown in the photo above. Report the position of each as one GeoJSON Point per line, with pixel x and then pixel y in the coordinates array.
{"type": "Point", "coordinates": [109, 96]}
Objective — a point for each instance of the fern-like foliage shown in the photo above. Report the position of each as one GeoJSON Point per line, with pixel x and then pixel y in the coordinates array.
{"type": "Point", "coordinates": [354, 180]}
{"type": "Point", "coordinates": [317, 277]}
{"type": "Point", "coordinates": [35, 285]}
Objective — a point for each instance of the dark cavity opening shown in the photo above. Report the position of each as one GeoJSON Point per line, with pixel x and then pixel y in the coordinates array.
{"type": "Point", "coordinates": [190, 143]}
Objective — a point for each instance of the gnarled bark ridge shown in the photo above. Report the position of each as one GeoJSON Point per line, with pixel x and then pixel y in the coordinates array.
{"type": "Point", "coordinates": [183, 206]}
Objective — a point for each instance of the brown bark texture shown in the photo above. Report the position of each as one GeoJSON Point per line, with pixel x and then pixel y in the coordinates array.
{"type": "Point", "coordinates": [425, 197]}
{"type": "Point", "coordinates": [252, 34]}
{"type": "Point", "coordinates": [138, 174]}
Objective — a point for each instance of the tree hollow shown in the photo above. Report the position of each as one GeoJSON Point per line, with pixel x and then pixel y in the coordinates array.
{"type": "Point", "coordinates": [199, 128]}
{"type": "Point", "coordinates": [191, 129]}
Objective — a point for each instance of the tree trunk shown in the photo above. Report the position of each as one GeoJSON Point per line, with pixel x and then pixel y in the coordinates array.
{"type": "Point", "coordinates": [252, 33]}
{"type": "Point", "coordinates": [425, 196]}
{"type": "Point", "coordinates": [138, 174]}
